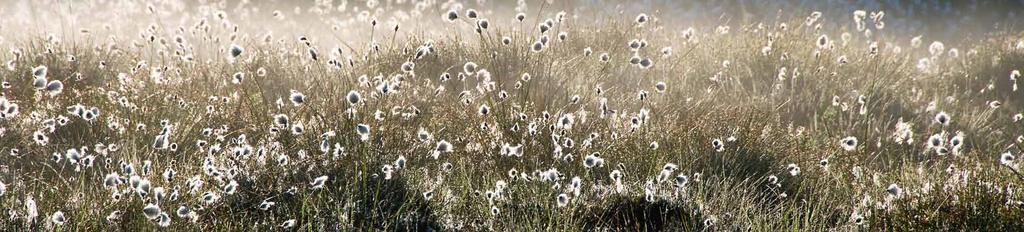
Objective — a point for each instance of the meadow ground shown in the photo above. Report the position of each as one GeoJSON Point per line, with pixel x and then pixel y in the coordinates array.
{"type": "Point", "coordinates": [508, 119]}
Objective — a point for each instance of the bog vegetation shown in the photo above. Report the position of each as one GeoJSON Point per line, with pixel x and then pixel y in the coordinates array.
{"type": "Point", "coordinates": [526, 118]}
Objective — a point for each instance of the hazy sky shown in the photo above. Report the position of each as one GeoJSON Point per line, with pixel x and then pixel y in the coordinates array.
{"type": "Point", "coordinates": [952, 21]}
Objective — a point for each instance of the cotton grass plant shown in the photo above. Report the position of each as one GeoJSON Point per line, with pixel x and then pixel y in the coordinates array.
{"type": "Point", "coordinates": [531, 119]}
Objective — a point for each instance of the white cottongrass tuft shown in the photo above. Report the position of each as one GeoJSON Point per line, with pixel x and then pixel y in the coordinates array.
{"type": "Point", "coordinates": [562, 200]}
{"type": "Point", "coordinates": [848, 143]}
{"type": "Point", "coordinates": [58, 218]}
{"type": "Point", "coordinates": [151, 211]}
{"type": "Point", "coordinates": [353, 97]}
{"type": "Point", "coordinates": [318, 183]}
{"type": "Point", "coordinates": [235, 51]}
